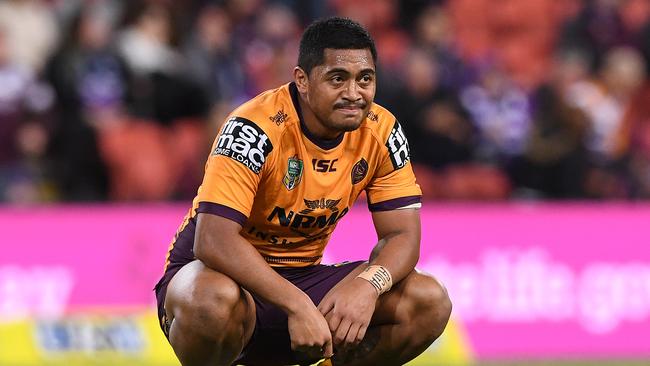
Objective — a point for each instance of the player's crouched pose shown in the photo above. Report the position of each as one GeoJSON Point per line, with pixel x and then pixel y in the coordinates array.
{"type": "Point", "coordinates": [243, 282]}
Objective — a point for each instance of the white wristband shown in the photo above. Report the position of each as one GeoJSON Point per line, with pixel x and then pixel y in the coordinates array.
{"type": "Point", "coordinates": [379, 278]}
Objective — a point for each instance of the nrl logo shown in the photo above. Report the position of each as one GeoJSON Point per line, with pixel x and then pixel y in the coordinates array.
{"type": "Point", "coordinates": [279, 117]}
{"type": "Point", "coordinates": [294, 173]}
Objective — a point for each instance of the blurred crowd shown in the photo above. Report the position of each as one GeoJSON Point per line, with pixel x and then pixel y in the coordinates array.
{"type": "Point", "coordinates": [500, 99]}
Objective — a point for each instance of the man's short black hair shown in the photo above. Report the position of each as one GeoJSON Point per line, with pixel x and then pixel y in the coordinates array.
{"type": "Point", "coordinates": [335, 33]}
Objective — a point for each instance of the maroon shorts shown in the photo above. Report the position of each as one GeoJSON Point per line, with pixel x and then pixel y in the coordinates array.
{"type": "Point", "coordinates": [270, 343]}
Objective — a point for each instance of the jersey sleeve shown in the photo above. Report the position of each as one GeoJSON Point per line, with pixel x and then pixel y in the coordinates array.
{"type": "Point", "coordinates": [234, 169]}
{"type": "Point", "coordinates": [393, 186]}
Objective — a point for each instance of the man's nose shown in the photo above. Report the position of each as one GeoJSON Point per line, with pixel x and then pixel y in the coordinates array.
{"type": "Point", "coordinates": [351, 92]}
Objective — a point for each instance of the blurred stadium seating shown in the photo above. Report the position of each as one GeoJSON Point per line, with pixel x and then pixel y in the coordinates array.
{"type": "Point", "coordinates": [504, 99]}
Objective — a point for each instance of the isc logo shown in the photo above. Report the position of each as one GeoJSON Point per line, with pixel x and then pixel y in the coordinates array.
{"type": "Point", "coordinates": [243, 141]}
{"type": "Point", "coordinates": [324, 165]}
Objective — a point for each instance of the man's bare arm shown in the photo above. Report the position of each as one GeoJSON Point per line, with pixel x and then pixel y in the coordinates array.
{"type": "Point", "coordinates": [398, 248]}
{"type": "Point", "coordinates": [349, 307]}
{"type": "Point", "coordinates": [219, 246]}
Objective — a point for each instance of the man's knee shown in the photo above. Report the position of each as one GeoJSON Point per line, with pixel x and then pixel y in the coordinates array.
{"type": "Point", "coordinates": [211, 317]}
{"type": "Point", "coordinates": [430, 303]}
{"type": "Point", "coordinates": [204, 300]}
{"type": "Point", "coordinates": [214, 304]}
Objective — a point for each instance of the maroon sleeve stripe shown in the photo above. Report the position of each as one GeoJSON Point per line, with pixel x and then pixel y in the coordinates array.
{"type": "Point", "coordinates": [223, 211]}
{"type": "Point", "coordinates": [393, 204]}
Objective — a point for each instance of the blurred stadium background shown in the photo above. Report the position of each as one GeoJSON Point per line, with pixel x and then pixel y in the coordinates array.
{"type": "Point", "coordinates": [529, 125]}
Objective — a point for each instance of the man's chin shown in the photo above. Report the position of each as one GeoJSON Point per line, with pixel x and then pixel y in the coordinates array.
{"type": "Point", "coordinates": [348, 126]}
{"type": "Point", "coordinates": [345, 124]}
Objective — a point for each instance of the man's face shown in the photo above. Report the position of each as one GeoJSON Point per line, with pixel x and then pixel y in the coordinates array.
{"type": "Point", "coordinates": [341, 90]}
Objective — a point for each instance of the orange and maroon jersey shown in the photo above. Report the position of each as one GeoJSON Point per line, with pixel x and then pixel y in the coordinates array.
{"type": "Point", "coordinates": [287, 188]}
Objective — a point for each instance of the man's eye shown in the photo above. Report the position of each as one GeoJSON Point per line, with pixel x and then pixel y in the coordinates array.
{"type": "Point", "coordinates": [366, 78]}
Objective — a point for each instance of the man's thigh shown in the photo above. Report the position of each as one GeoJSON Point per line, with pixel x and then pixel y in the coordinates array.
{"type": "Point", "coordinates": [270, 343]}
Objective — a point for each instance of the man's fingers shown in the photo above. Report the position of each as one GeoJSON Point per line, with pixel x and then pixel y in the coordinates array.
{"type": "Point", "coordinates": [328, 349]}
{"type": "Point", "coordinates": [352, 334]}
{"type": "Point", "coordinates": [334, 321]}
{"type": "Point", "coordinates": [341, 331]}
{"type": "Point", "coordinates": [361, 334]}
{"type": "Point", "coordinates": [325, 306]}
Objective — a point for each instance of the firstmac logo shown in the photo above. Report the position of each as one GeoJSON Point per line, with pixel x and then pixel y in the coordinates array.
{"type": "Point", "coordinates": [243, 141]}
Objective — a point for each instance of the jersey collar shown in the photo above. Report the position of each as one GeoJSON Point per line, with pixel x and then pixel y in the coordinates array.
{"type": "Point", "coordinates": [322, 143]}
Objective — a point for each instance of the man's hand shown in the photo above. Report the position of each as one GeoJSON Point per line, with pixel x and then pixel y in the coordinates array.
{"type": "Point", "coordinates": [348, 309]}
{"type": "Point", "coordinates": [309, 332]}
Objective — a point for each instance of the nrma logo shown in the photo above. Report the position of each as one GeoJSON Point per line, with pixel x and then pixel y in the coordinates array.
{"type": "Point", "coordinates": [243, 141]}
{"type": "Point", "coordinates": [300, 221]}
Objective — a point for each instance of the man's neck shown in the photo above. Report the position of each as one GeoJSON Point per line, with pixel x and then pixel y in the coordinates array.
{"type": "Point", "coordinates": [313, 125]}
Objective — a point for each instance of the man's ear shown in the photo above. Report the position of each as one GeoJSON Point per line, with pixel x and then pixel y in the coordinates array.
{"type": "Point", "coordinates": [302, 79]}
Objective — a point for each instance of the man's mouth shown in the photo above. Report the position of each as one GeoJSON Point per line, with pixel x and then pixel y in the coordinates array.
{"type": "Point", "coordinates": [350, 107]}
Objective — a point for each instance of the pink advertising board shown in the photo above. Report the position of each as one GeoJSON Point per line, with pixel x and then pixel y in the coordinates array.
{"type": "Point", "coordinates": [57, 259]}
{"type": "Point", "coordinates": [534, 281]}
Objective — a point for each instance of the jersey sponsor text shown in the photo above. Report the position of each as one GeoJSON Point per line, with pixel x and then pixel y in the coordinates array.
{"type": "Point", "coordinates": [398, 147]}
{"type": "Point", "coordinates": [297, 220]}
{"type": "Point", "coordinates": [243, 141]}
